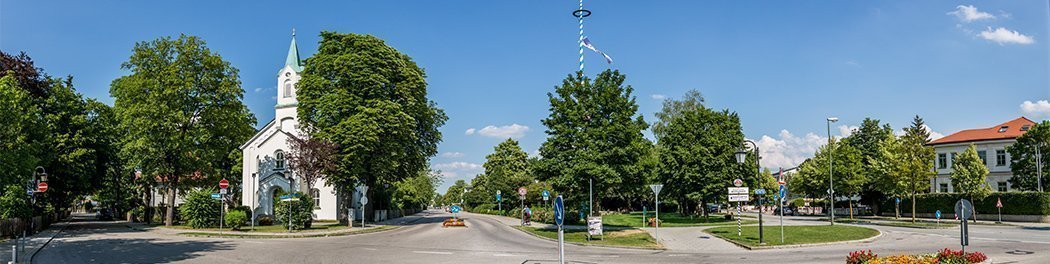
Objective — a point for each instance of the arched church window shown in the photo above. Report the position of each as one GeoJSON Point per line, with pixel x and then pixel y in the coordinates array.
{"type": "Point", "coordinates": [288, 92]}
{"type": "Point", "coordinates": [316, 194]}
{"type": "Point", "coordinates": [279, 157]}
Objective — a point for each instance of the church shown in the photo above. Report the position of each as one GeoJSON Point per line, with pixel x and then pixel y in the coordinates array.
{"type": "Point", "coordinates": [265, 170]}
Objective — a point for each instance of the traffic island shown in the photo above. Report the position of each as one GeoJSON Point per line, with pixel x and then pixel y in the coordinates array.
{"type": "Point", "coordinates": [454, 222]}
{"type": "Point", "coordinates": [634, 219]}
{"type": "Point", "coordinates": [627, 238]}
{"type": "Point", "coordinates": [794, 236]}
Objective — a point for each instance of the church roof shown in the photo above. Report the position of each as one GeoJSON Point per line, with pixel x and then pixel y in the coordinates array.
{"type": "Point", "coordinates": [293, 56]}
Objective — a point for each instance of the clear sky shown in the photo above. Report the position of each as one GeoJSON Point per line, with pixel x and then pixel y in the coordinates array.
{"type": "Point", "coordinates": [784, 66]}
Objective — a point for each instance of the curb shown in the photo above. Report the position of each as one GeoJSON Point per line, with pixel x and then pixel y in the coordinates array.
{"type": "Point", "coordinates": [802, 245]}
{"type": "Point", "coordinates": [37, 250]}
{"type": "Point", "coordinates": [307, 235]}
{"type": "Point", "coordinates": [661, 249]}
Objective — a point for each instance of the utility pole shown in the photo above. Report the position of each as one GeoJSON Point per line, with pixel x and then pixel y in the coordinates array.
{"type": "Point", "coordinates": [831, 180]}
{"type": "Point", "coordinates": [1039, 166]}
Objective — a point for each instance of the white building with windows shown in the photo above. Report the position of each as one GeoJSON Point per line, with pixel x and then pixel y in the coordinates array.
{"type": "Point", "coordinates": [991, 146]}
{"type": "Point", "coordinates": [265, 170]}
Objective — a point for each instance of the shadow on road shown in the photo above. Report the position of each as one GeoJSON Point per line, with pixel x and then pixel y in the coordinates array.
{"type": "Point", "coordinates": [111, 250]}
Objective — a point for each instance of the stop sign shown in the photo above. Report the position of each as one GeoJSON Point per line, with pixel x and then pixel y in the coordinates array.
{"type": "Point", "coordinates": [224, 184]}
{"type": "Point", "coordinates": [41, 187]}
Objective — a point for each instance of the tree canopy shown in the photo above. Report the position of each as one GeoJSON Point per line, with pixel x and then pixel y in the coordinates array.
{"type": "Point", "coordinates": [969, 173]}
{"type": "Point", "coordinates": [1022, 153]}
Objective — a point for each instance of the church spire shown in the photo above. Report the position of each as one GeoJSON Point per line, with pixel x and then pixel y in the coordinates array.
{"type": "Point", "coordinates": [293, 56]}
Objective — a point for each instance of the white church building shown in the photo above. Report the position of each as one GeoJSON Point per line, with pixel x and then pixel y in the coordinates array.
{"type": "Point", "coordinates": [265, 169]}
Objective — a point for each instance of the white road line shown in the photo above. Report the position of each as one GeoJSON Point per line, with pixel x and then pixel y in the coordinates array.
{"type": "Point", "coordinates": [432, 252]}
{"type": "Point", "coordinates": [369, 249]}
{"type": "Point", "coordinates": [504, 255]}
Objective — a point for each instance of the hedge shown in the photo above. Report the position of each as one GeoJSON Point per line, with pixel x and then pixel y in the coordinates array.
{"type": "Point", "coordinates": [1014, 203]}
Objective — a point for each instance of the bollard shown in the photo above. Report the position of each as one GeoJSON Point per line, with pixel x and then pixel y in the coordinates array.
{"type": "Point", "coordinates": [14, 254]}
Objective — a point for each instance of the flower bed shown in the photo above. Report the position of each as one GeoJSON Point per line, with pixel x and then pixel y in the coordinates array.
{"type": "Point", "coordinates": [944, 256]}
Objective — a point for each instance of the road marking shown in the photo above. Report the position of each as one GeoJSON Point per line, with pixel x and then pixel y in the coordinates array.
{"type": "Point", "coordinates": [433, 252]}
{"type": "Point", "coordinates": [504, 255]}
{"type": "Point", "coordinates": [369, 249]}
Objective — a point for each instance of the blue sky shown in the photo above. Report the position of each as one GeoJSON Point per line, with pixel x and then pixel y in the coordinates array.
{"type": "Point", "coordinates": [784, 66]}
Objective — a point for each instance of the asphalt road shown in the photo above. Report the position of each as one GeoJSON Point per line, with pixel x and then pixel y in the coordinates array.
{"type": "Point", "coordinates": [487, 240]}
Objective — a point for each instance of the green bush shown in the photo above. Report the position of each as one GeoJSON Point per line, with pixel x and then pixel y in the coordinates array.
{"type": "Point", "coordinates": [14, 203]}
{"type": "Point", "coordinates": [301, 212]}
{"type": "Point", "coordinates": [1014, 203]}
{"type": "Point", "coordinates": [200, 210]}
{"type": "Point", "coordinates": [265, 220]}
{"type": "Point", "coordinates": [235, 219]}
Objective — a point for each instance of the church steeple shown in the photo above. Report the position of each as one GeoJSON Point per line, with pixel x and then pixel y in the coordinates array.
{"type": "Point", "coordinates": [293, 56]}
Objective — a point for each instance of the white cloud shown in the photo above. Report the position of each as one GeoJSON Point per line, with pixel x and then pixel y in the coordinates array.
{"type": "Point", "coordinates": [452, 155]}
{"type": "Point", "coordinates": [509, 131]}
{"type": "Point", "coordinates": [1039, 109]}
{"type": "Point", "coordinates": [969, 13]}
{"type": "Point", "coordinates": [658, 96]}
{"type": "Point", "coordinates": [1002, 36]}
{"type": "Point", "coordinates": [853, 63]}
{"type": "Point", "coordinates": [457, 166]}
{"type": "Point", "coordinates": [934, 135]}
{"type": "Point", "coordinates": [260, 89]}
{"type": "Point", "coordinates": [845, 131]}
{"type": "Point", "coordinates": [788, 150]}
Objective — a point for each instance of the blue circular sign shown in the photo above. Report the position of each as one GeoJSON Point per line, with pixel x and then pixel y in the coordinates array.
{"type": "Point", "coordinates": [559, 211]}
{"type": "Point", "coordinates": [938, 214]}
{"type": "Point", "coordinates": [455, 209]}
{"type": "Point", "coordinates": [898, 200]}
{"type": "Point", "coordinates": [546, 193]}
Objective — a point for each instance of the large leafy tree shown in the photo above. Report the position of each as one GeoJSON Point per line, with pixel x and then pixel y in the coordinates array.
{"type": "Point", "coordinates": [417, 191]}
{"type": "Point", "coordinates": [594, 133]}
{"type": "Point", "coordinates": [182, 112]}
{"type": "Point", "coordinates": [907, 162]}
{"type": "Point", "coordinates": [455, 193]}
{"type": "Point", "coordinates": [969, 173]}
{"type": "Point", "coordinates": [848, 172]}
{"type": "Point", "coordinates": [1022, 155]}
{"type": "Point", "coordinates": [867, 139]}
{"type": "Point", "coordinates": [696, 152]}
{"type": "Point", "coordinates": [22, 134]}
{"type": "Point", "coordinates": [506, 169]}
{"type": "Point", "coordinates": [311, 158]}
{"type": "Point", "coordinates": [370, 100]}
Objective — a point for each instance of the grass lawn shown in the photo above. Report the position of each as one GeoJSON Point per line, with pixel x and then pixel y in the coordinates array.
{"type": "Point", "coordinates": [794, 235]}
{"type": "Point", "coordinates": [628, 238]}
{"type": "Point", "coordinates": [634, 219]}
{"type": "Point", "coordinates": [315, 227]}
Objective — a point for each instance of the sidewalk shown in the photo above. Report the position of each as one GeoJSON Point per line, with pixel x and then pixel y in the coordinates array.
{"type": "Point", "coordinates": [33, 245]}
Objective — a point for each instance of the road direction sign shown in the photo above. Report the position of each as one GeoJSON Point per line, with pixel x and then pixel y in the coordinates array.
{"type": "Point", "coordinates": [898, 200]}
{"type": "Point", "coordinates": [522, 191]}
{"type": "Point", "coordinates": [559, 211]}
{"type": "Point", "coordinates": [760, 191]}
{"type": "Point", "coordinates": [738, 182]}
{"type": "Point", "coordinates": [498, 197]}
{"type": "Point", "coordinates": [217, 196]}
{"type": "Point", "coordinates": [738, 198]}
{"type": "Point", "coordinates": [937, 214]}
{"type": "Point", "coordinates": [963, 209]}
{"type": "Point", "coordinates": [738, 190]}
{"type": "Point", "coordinates": [364, 200]}
{"type": "Point", "coordinates": [546, 195]}
{"type": "Point", "coordinates": [223, 184]}
{"type": "Point", "coordinates": [783, 191]}
{"type": "Point", "coordinates": [41, 187]}
{"type": "Point", "coordinates": [455, 209]}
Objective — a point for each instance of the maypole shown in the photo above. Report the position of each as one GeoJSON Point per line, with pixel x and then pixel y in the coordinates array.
{"type": "Point", "coordinates": [580, 14]}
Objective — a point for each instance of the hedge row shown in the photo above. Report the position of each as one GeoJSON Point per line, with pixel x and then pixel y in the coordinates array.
{"type": "Point", "coordinates": [539, 214]}
{"type": "Point", "coordinates": [1014, 203]}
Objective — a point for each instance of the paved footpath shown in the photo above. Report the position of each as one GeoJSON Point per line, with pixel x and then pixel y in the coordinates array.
{"type": "Point", "coordinates": [32, 245]}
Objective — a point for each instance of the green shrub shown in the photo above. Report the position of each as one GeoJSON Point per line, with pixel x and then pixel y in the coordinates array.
{"type": "Point", "coordinates": [265, 220]}
{"type": "Point", "coordinates": [235, 219]}
{"type": "Point", "coordinates": [1014, 203]}
{"type": "Point", "coordinates": [14, 203]}
{"type": "Point", "coordinates": [301, 212]}
{"type": "Point", "coordinates": [200, 210]}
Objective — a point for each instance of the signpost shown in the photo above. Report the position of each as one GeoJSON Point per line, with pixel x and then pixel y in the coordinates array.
{"type": "Point", "coordinates": [999, 207]}
{"type": "Point", "coordinates": [223, 184]}
{"type": "Point", "coordinates": [546, 195]}
{"type": "Point", "coordinates": [594, 227]}
{"type": "Point", "coordinates": [559, 219]}
{"type": "Point", "coordinates": [938, 215]}
{"type": "Point", "coordinates": [898, 208]}
{"type": "Point", "coordinates": [455, 211]}
{"type": "Point", "coordinates": [521, 196]}
{"type": "Point", "coordinates": [783, 196]}
{"type": "Point", "coordinates": [738, 194]}
{"type": "Point", "coordinates": [964, 209]}
{"type": "Point", "coordinates": [656, 194]}
{"type": "Point", "coordinates": [499, 200]}
{"type": "Point", "coordinates": [41, 187]}
{"type": "Point", "coordinates": [760, 192]}
{"type": "Point", "coordinates": [363, 190]}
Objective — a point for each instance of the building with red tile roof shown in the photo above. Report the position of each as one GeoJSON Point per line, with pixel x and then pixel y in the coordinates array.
{"type": "Point", "coordinates": [991, 143]}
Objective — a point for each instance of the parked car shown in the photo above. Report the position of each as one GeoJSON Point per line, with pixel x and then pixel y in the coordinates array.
{"type": "Point", "coordinates": [104, 214]}
{"type": "Point", "coordinates": [713, 208]}
{"type": "Point", "coordinates": [787, 211]}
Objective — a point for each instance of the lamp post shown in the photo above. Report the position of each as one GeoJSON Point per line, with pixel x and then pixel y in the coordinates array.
{"type": "Point", "coordinates": [831, 180]}
{"type": "Point", "coordinates": [1039, 167]}
{"type": "Point", "coordinates": [741, 158]}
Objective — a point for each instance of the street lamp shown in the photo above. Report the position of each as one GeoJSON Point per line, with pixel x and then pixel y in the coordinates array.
{"type": "Point", "coordinates": [741, 158]}
{"type": "Point", "coordinates": [831, 180]}
{"type": "Point", "coordinates": [1039, 167]}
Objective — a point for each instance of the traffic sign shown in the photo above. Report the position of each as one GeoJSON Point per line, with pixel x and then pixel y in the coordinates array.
{"type": "Point", "coordinates": [559, 211]}
{"type": "Point", "coordinates": [41, 187]}
{"type": "Point", "coordinates": [998, 203]}
{"type": "Point", "coordinates": [738, 190]}
{"type": "Point", "coordinates": [656, 188]}
{"type": "Point", "coordinates": [738, 182]}
{"type": "Point", "coordinates": [546, 195]}
{"type": "Point", "coordinates": [223, 184]}
{"type": "Point", "coordinates": [498, 197]}
{"type": "Point", "coordinates": [498, 192]}
{"type": "Point", "coordinates": [783, 191]}
{"type": "Point", "coordinates": [222, 191]}
{"type": "Point", "coordinates": [364, 200]}
{"type": "Point", "coordinates": [898, 200]}
{"type": "Point", "coordinates": [738, 198]}
{"type": "Point", "coordinates": [217, 196]}
{"type": "Point", "coordinates": [522, 191]}
{"type": "Point", "coordinates": [963, 209]}
{"type": "Point", "coordinates": [760, 191]}
{"type": "Point", "coordinates": [937, 214]}
{"type": "Point", "coordinates": [781, 182]}
{"type": "Point", "coordinates": [455, 209]}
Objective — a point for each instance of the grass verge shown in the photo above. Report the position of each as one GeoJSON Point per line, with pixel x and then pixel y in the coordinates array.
{"type": "Point", "coordinates": [794, 235]}
{"type": "Point", "coordinates": [623, 238]}
{"type": "Point", "coordinates": [634, 219]}
{"type": "Point", "coordinates": [290, 235]}
{"type": "Point", "coordinates": [315, 227]}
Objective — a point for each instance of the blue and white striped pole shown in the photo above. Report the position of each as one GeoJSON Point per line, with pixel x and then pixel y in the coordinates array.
{"type": "Point", "coordinates": [580, 16]}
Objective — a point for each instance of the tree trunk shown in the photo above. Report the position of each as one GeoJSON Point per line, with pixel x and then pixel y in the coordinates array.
{"type": "Point", "coordinates": [913, 207]}
{"type": "Point", "coordinates": [851, 208]}
{"type": "Point", "coordinates": [170, 215]}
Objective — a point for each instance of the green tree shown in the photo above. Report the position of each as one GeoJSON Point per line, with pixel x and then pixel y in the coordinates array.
{"type": "Point", "coordinates": [1022, 154]}
{"type": "Point", "coordinates": [908, 162]}
{"type": "Point", "coordinates": [594, 133]}
{"type": "Point", "coordinates": [14, 203]}
{"type": "Point", "coordinates": [867, 139]}
{"type": "Point", "coordinates": [22, 134]}
{"type": "Point", "coordinates": [454, 194]}
{"type": "Point", "coordinates": [200, 210]}
{"type": "Point", "coordinates": [182, 112]}
{"type": "Point", "coordinates": [848, 172]}
{"type": "Point", "coordinates": [696, 152]}
{"type": "Point", "coordinates": [506, 169]}
{"type": "Point", "coordinates": [417, 191]}
{"type": "Point", "coordinates": [969, 173]}
{"type": "Point", "coordinates": [370, 100]}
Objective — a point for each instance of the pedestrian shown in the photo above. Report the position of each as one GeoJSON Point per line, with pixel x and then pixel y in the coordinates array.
{"type": "Point", "coordinates": [528, 216]}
